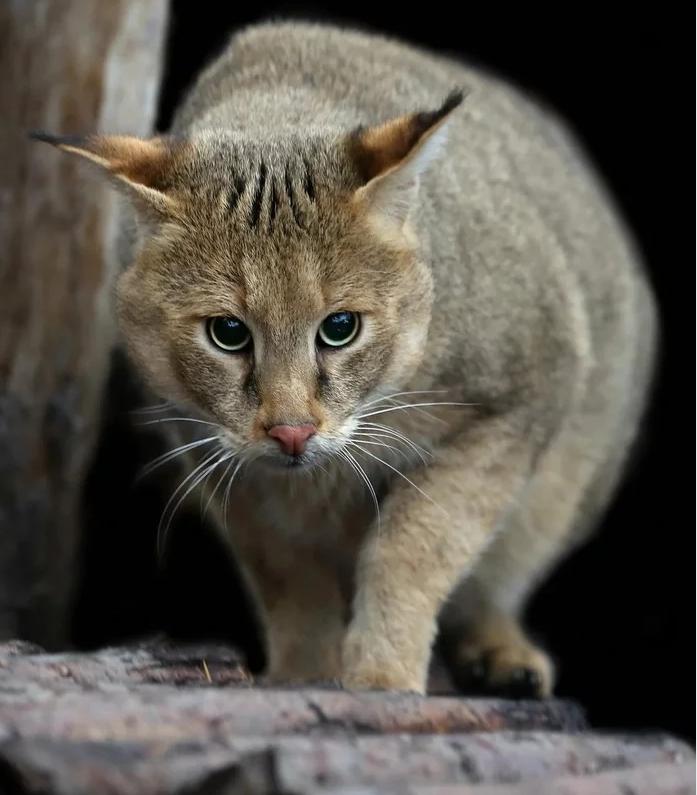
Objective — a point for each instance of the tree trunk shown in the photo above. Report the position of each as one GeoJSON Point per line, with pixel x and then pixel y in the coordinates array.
{"type": "Point", "coordinates": [67, 67]}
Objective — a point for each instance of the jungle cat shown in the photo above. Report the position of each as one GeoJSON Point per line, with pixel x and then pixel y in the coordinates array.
{"type": "Point", "coordinates": [408, 336]}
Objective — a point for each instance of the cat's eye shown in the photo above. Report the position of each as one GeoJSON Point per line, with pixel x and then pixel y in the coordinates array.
{"type": "Point", "coordinates": [229, 334]}
{"type": "Point", "coordinates": [338, 329]}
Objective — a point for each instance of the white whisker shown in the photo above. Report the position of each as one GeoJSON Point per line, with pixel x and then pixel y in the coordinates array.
{"type": "Point", "coordinates": [178, 419]}
{"type": "Point", "coordinates": [403, 394]}
{"type": "Point", "coordinates": [171, 454]}
{"type": "Point", "coordinates": [224, 456]}
{"type": "Point", "coordinates": [197, 476]}
{"type": "Point", "coordinates": [421, 411]}
{"type": "Point", "coordinates": [401, 475]}
{"type": "Point", "coordinates": [358, 469]}
{"type": "Point", "coordinates": [231, 458]}
{"type": "Point", "coordinates": [411, 406]}
{"type": "Point", "coordinates": [376, 427]}
{"type": "Point", "coordinates": [228, 487]}
{"type": "Point", "coordinates": [393, 433]}
{"type": "Point", "coordinates": [380, 444]}
{"type": "Point", "coordinates": [152, 409]}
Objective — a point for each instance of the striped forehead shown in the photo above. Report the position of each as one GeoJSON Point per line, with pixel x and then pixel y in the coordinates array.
{"type": "Point", "coordinates": [270, 192]}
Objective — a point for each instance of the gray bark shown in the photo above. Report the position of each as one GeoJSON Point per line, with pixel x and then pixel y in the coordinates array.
{"type": "Point", "coordinates": [164, 719]}
{"type": "Point", "coordinates": [68, 68]}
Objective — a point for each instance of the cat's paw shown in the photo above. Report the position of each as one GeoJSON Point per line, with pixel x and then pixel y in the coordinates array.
{"type": "Point", "coordinates": [371, 666]}
{"type": "Point", "coordinates": [513, 671]}
{"type": "Point", "coordinates": [380, 678]}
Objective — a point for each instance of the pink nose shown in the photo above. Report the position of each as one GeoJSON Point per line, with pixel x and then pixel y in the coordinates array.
{"type": "Point", "coordinates": [292, 438]}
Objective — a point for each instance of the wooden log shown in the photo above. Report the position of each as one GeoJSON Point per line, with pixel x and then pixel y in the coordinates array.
{"type": "Point", "coordinates": [305, 764]}
{"type": "Point", "coordinates": [671, 779]}
{"type": "Point", "coordinates": [67, 67]}
{"type": "Point", "coordinates": [159, 691]}
{"type": "Point", "coordinates": [159, 718]}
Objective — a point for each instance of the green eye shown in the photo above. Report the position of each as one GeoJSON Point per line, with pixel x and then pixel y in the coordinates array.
{"type": "Point", "coordinates": [229, 334]}
{"type": "Point", "coordinates": [338, 329]}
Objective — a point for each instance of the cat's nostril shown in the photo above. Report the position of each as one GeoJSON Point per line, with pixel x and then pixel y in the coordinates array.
{"type": "Point", "coordinates": [292, 438]}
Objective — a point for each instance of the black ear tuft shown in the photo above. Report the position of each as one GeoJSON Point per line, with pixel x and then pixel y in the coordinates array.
{"type": "Point", "coordinates": [426, 119]}
{"type": "Point", "coordinates": [377, 150]}
{"type": "Point", "coordinates": [141, 165]}
{"type": "Point", "coordinates": [454, 99]}
{"type": "Point", "coordinates": [58, 140]}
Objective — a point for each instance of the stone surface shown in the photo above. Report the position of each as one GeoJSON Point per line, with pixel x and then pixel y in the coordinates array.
{"type": "Point", "coordinates": [159, 718]}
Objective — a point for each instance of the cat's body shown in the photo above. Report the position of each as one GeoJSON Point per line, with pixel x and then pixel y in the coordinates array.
{"type": "Point", "coordinates": [509, 287]}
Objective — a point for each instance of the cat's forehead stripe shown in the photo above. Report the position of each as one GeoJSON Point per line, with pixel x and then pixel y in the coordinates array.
{"type": "Point", "coordinates": [262, 194]}
{"type": "Point", "coordinates": [308, 183]}
{"type": "Point", "coordinates": [258, 196]}
{"type": "Point", "coordinates": [234, 193]}
{"type": "Point", "coordinates": [273, 209]}
{"type": "Point", "coordinates": [290, 193]}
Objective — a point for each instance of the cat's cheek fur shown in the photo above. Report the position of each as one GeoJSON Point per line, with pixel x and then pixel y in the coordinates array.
{"type": "Point", "coordinates": [141, 325]}
{"type": "Point", "coordinates": [413, 321]}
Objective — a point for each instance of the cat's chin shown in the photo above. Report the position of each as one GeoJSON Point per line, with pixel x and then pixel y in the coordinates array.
{"type": "Point", "coordinates": [289, 464]}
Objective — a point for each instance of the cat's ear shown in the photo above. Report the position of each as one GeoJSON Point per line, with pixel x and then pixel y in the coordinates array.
{"type": "Point", "coordinates": [141, 165]}
{"type": "Point", "coordinates": [391, 157]}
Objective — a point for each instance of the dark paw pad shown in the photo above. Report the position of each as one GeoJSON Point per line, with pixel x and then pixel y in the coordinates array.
{"type": "Point", "coordinates": [521, 683]}
{"type": "Point", "coordinates": [481, 677]}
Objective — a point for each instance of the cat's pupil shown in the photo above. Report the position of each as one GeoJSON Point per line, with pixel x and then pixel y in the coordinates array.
{"type": "Point", "coordinates": [229, 333]}
{"type": "Point", "coordinates": [338, 329]}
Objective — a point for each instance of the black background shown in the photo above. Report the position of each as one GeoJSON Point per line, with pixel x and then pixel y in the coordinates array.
{"type": "Point", "coordinates": [618, 616]}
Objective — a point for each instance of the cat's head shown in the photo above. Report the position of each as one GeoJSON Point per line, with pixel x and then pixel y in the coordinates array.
{"type": "Point", "coordinates": [278, 284]}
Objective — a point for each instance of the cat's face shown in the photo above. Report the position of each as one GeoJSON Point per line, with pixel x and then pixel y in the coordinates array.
{"type": "Point", "coordinates": [278, 287]}
{"type": "Point", "coordinates": [291, 306]}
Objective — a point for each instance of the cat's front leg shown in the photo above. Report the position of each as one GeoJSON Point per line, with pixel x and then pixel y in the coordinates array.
{"type": "Point", "coordinates": [299, 602]}
{"type": "Point", "coordinates": [304, 627]}
{"type": "Point", "coordinates": [423, 546]}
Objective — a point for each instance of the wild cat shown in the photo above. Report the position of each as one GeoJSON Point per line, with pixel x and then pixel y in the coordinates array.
{"type": "Point", "coordinates": [406, 341]}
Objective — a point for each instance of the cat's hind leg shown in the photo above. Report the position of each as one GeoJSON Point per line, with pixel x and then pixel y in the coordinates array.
{"type": "Point", "coordinates": [487, 651]}
{"type": "Point", "coordinates": [482, 638]}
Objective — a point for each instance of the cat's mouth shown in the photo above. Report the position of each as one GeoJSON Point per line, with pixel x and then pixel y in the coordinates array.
{"type": "Point", "coordinates": [262, 454]}
{"type": "Point", "coordinates": [291, 461]}
{"type": "Point", "coordinates": [319, 450]}
{"type": "Point", "coordinates": [280, 462]}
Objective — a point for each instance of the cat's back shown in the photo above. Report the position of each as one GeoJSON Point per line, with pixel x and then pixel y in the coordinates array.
{"type": "Point", "coordinates": [505, 152]}
{"type": "Point", "coordinates": [513, 205]}
{"type": "Point", "coordinates": [310, 75]}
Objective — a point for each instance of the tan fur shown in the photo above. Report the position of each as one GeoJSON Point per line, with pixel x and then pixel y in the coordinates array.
{"type": "Point", "coordinates": [494, 275]}
{"type": "Point", "coordinates": [378, 150]}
